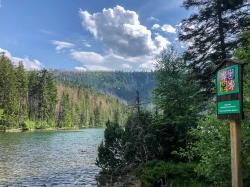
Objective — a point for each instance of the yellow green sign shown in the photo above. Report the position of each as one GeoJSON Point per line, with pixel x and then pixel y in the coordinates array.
{"type": "Point", "coordinates": [229, 107]}
{"type": "Point", "coordinates": [228, 80]}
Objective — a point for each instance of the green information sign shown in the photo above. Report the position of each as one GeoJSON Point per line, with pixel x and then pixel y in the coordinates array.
{"type": "Point", "coordinates": [229, 107]}
{"type": "Point", "coordinates": [228, 80]}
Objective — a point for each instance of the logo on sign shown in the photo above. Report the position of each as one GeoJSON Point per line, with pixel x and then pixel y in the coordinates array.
{"type": "Point", "coordinates": [227, 80]}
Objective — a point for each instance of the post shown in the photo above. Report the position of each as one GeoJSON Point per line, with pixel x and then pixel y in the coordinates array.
{"type": "Point", "coordinates": [235, 153]}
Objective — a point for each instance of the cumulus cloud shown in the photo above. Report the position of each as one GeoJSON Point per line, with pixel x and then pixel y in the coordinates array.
{"type": "Point", "coordinates": [161, 41]}
{"type": "Point", "coordinates": [168, 28]}
{"type": "Point", "coordinates": [87, 57]}
{"type": "Point", "coordinates": [97, 68]}
{"type": "Point", "coordinates": [152, 18]}
{"type": "Point", "coordinates": [60, 45]}
{"type": "Point", "coordinates": [126, 66]}
{"type": "Point", "coordinates": [121, 32]}
{"type": "Point", "coordinates": [165, 28]}
{"type": "Point", "coordinates": [29, 64]}
{"type": "Point", "coordinates": [111, 61]}
{"type": "Point", "coordinates": [155, 26]}
{"type": "Point", "coordinates": [147, 66]}
{"type": "Point", "coordinates": [80, 69]}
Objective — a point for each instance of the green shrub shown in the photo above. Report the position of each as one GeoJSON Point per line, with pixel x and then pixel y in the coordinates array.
{"type": "Point", "coordinates": [157, 173]}
{"type": "Point", "coordinates": [28, 125]}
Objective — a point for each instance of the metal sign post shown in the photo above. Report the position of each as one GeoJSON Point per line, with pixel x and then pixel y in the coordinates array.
{"type": "Point", "coordinates": [230, 106]}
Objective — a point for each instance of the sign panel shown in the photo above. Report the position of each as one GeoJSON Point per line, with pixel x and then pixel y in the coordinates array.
{"type": "Point", "coordinates": [229, 107]}
{"type": "Point", "coordinates": [229, 90]}
{"type": "Point", "coordinates": [228, 80]}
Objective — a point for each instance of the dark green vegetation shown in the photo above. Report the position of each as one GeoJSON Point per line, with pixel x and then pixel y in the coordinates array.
{"type": "Point", "coordinates": [33, 100]}
{"type": "Point", "coordinates": [183, 143]}
{"type": "Point", "coordinates": [214, 33]}
{"type": "Point", "coordinates": [120, 84]}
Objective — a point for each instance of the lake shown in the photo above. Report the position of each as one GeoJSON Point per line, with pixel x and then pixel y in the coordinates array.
{"type": "Point", "coordinates": [49, 158]}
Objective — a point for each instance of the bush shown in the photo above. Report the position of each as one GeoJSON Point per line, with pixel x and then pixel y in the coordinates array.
{"type": "Point", "coordinates": [28, 125]}
{"type": "Point", "coordinates": [110, 156]}
{"type": "Point", "coordinates": [158, 173]}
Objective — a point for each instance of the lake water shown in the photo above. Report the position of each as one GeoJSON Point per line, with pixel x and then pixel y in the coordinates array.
{"type": "Point", "coordinates": [60, 158]}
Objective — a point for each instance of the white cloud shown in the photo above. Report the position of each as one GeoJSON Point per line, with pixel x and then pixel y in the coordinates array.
{"type": "Point", "coordinates": [121, 32]}
{"type": "Point", "coordinates": [29, 64]}
{"type": "Point", "coordinates": [147, 66]}
{"type": "Point", "coordinates": [86, 44]}
{"type": "Point", "coordinates": [168, 28]}
{"type": "Point", "coordinates": [126, 66]}
{"type": "Point", "coordinates": [165, 28]}
{"type": "Point", "coordinates": [155, 26]}
{"type": "Point", "coordinates": [179, 25]}
{"type": "Point", "coordinates": [110, 61]}
{"type": "Point", "coordinates": [87, 57]}
{"type": "Point", "coordinates": [152, 18]}
{"type": "Point", "coordinates": [60, 45]}
{"type": "Point", "coordinates": [128, 43]}
{"type": "Point", "coordinates": [161, 41]}
{"type": "Point", "coordinates": [80, 69]}
{"type": "Point", "coordinates": [91, 68]}
{"type": "Point", "coordinates": [97, 68]}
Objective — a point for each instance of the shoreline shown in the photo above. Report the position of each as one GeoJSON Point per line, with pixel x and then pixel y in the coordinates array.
{"type": "Point", "coordinates": [18, 130]}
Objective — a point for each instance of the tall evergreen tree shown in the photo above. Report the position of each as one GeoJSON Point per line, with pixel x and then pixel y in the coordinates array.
{"type": "Point", "coordinates": [212, 33]}
{"type": "Point", "coordinates": [22, 91]}
{"type": "Point", "coordinates": [33, 92]}
{"type": "Point", "coordinates": [178, 98]}
{"type": "Point", "coordinates": [8, 91]}
{"type": "Point", "coordinates": [65, 112]}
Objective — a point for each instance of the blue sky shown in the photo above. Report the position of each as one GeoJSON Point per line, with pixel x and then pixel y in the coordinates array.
{"type": "Point", "coordinates": [88, 34]}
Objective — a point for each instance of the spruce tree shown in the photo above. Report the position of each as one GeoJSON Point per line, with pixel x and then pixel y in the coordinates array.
{"type": "Point", "coordinates": [22, 91]}
{"type": "Point", "coordinates": [212, 33]}
{"type": "Point", "coordinates": [8, 91]}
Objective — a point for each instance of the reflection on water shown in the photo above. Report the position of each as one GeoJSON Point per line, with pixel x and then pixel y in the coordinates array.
{"type": "Point", "coordinates": [49, 158]}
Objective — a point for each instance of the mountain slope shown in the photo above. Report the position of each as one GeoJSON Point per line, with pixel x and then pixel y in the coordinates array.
{"type": "Point", "coordinates": [82, 107]}
{"type": "Point", "coordinates": [120, 84]}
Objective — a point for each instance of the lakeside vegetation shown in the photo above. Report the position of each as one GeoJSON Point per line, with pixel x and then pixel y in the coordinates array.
{"type": "Point", "coordinates": [180, 142]}
{"type": "Point", "coordinates": [34, 100]}
{"type": "Point", "coordinates": [183, 143]}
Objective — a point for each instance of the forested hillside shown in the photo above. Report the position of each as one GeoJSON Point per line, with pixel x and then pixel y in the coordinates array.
{"type": "Point", "coordinates": [33, 100]}
{"type": "Point", "coordinates": [120, 84]}
{"type": "Point", "coordinates": [81, 107]}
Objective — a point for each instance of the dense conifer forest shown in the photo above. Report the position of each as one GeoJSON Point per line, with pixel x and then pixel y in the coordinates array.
{"type": "Point", "coordinates": [119, 84]}
{"type": "Point", "coordinates": [34, 100]}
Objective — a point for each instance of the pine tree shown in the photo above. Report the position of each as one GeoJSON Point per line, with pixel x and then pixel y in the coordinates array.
{"type": "Point", "coordinates": [212, 33]}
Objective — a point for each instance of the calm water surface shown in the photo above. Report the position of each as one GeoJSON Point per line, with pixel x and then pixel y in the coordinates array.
{"type": "Point", "coordinates": [49, 158]}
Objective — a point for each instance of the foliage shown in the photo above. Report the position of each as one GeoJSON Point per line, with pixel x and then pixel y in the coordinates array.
{"type": "Point", "coordinates": [119, 84]}
{"type": "Point", "coordinates": [137, 140]}
{"type": "Point", "coordinates": [35, 100]}
{"type": "Point", "coordinates": [213, 34]}
{"type": "Point", "coordinates": [179, 100]}
{"type": "Point", "coordinates": [213, 141]}
{"type": "Point", "coordinates": [110, 155]}
{"type": "Point", "coordinates": [80, 107]}
{"type": "Point", "coordinates": [159, 173]}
